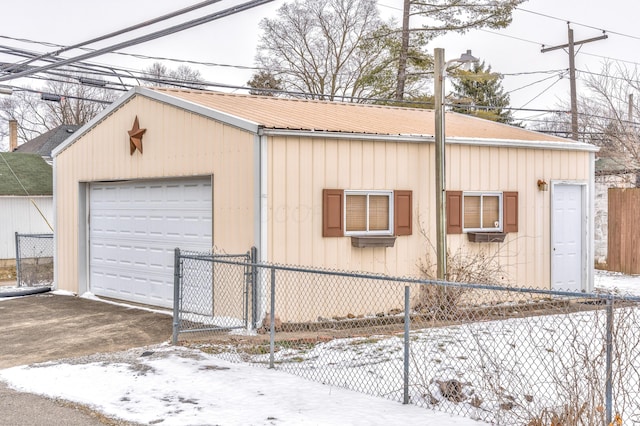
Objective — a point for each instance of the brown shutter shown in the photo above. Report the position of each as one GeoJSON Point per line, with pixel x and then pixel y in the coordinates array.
{"type": "Point", "coordinates": [454, 212]}
{"type": "Point", "coordinates": [332, 209]}
{"type": "Point", "coordinates": [402, 214]}
{"type": "Point", "coordinates": [510, 211]}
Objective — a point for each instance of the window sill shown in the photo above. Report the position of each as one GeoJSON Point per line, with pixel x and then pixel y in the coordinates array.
{"type": "Point", "coordinates": [486, 237]}
{"type": "Point", "coordinates": [373, 241]}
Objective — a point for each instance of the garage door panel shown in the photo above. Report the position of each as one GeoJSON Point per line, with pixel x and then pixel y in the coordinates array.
{"type": "Point", "coordinates": [134, 229]}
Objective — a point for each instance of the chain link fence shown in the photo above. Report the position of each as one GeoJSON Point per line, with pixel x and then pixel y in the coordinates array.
{"type": "Point", "coordinates": [34, 260]}
{"type": "Point", "coordinates": [502, 355]}
{"type": "Point", "coordinates": [210, 296]}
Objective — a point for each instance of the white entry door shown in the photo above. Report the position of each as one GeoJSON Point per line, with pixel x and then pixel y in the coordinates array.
{"type": "Point", "coordinates": [135, 226]}
{"type": "Point", "coordinates": [568, 235]}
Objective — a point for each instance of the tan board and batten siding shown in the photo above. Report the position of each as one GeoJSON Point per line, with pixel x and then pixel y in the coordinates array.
{"type": "Point", "coordinates": [310, 146]}
{"type": "Point", "coordinates": [177, 143]}
{"type": "Point", "coordinates": [301, 167]}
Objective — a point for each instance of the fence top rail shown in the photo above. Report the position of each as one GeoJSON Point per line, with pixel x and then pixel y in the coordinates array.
{"type": "Point", "coordinates": [419, 281]}
{"type": "Point", "coordinates": [35, 235]}
{"type": "Point", "coordinates": [210, 256]}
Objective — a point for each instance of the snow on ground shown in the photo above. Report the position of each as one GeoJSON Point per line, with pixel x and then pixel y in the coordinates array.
{"type": "Point", "coordinates": [617, 282]}
{"type": "Point", "coordinates": [177, 386]}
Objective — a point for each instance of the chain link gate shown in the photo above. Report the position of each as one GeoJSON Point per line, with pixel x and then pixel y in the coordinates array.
{"type": "Point", "coordinates": [211, 296]}
{"type": "Point", "coordinates": [34, 260]}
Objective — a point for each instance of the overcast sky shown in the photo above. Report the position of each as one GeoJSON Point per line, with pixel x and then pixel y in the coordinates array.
{"type": "Point", "coordinates": [232, 40]}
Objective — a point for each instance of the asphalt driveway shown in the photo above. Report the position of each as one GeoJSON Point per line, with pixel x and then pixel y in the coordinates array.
{"type": "Point", "coordinates": [47, 327]}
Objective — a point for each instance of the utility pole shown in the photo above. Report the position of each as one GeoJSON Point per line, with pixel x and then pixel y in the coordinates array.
{"type": "Point", "coordinates": [438, 93]}
{"type": "Point", "coordinates": [404, 51]}
{"type": "Point", "coordinates": [572, 74]}
{"type": "Point", "coordinates": [439, 72]}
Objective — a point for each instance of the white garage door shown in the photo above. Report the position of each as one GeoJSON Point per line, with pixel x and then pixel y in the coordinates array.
{"type": "Point", "coordinates": [135, 226]}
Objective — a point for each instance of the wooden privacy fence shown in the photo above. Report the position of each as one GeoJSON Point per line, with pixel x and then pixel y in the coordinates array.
{"type": "Point", "coordinates": [624, 230]}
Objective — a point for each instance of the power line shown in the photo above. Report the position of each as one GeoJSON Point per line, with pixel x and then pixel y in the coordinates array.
{"type": "Point", "coordinates": [120, 32]}
{"type": "Point", "coordinates": [512, 74]}
{"type": "Point", "coordinates": [510, 36]}
{"type": "Point", "coordinates": [190, 84]}
{"type": "Point", "coordinates": [578, 23]}
{"type": "Point", "coordinates": [254, 68]}
{"type": "Point", "coordinates": [152, 36]}
{"type": "Point", "coordinates": [42, 92]}
{"type": "Point", "coordinates": [560, 76]}
{"type": "Point", "coordinates": [610, 58]}
{"type": "Point", "coordinates": [25, 190]}
{"type": "Point", "coordinates": [543, 44]}
{"type": "Point", "coordinates": [613, 77]}
{"type": "Point", "coordinates": [541, 93]}
{"type": "Point", "coordinates": [139, 55]}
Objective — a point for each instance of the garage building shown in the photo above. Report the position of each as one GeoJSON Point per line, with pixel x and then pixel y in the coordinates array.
{"type": "Point", "coordinates": [166, 168]}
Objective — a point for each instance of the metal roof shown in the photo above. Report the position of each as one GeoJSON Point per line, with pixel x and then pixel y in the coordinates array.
{"type": "Point", "coordinates": [274, 115]}
{"type": "Point", "coordinates": [309, 115]}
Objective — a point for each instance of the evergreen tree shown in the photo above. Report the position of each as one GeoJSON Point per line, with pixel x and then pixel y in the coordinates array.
{"type": "Point", "coordinates": [479, 92]}
{"type": "Point", "coordinates": [264, 83]}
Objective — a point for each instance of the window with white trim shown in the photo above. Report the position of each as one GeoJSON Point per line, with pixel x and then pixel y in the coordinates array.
{"type": "Point", "coordinates": [368, 212]}
{"type": "Point", "coordinates": [482, 211]}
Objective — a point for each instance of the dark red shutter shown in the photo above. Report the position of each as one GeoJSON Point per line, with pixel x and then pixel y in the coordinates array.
{"type": "Point", "coordinates": [510, 211]}
{"type": "Point", "coordinates": [332, 212]}
{"type": "Point", "coordinates": [454, 212]}
{"type": "Point", "coordinates": [402, 215]}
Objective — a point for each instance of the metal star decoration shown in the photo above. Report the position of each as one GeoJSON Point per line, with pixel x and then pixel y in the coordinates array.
{"type": "Point", "coordinates": [135, 137]}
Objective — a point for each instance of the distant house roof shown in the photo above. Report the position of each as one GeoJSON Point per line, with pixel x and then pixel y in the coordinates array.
{"type": "Point", "coordinates": [616, 165]}
{"type": "Point", "coordinates": [48, 141]}
{"type": "Point", "coordinates": [24, 174]}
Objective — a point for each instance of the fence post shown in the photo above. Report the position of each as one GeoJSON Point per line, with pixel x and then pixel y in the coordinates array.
{"type": "Point", "coordinates": [247, 289]}
{"type": "Point", "coordinates": [272, 319]}
{"type": "Point", "coordinates": [609, 361]}
{"type": "Point", "coordinates": [254, 287]}
{"type": "Point", "coordinates": [407, 327]}
{"type": "Point", "coordinates": [176, 296]}
{"type": "Point", "coordinates": [18, 260]}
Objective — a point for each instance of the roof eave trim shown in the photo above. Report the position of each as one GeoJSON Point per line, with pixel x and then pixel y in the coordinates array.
{"type": "Point", "coordinates": [345, 135]}
{"type": "Point", "coordinates": [517, 143]}
{"type": "Point", "coordinates": [510, 143]}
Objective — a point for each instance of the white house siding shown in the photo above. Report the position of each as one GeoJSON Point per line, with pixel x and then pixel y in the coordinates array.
{"type": "Point", "coordinates": [177, 143]}
{"type": "Point", "coordinates": [18, 214]}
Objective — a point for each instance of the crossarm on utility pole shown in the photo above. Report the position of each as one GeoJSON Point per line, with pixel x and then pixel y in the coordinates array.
{"type": "Point", "coordinates": [572, 74]}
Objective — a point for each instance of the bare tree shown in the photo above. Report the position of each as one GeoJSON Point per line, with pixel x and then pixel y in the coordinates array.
{"type": "Point", "coordinates": [608, 115]}
{"type": "Point", "coordinates": [611, 120]}
{"type": "Point", "coordinates": [78, 104]}
{"type": "Point", "coordinates": [183, 76]}
{"type": "Point", "coordinates": [324, 49]}
{"type": "Point", "coordinates": [74, 104]}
